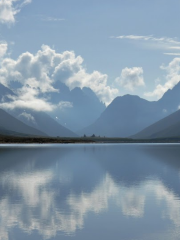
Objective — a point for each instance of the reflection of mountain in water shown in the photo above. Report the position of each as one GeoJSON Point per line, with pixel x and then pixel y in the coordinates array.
{"type": "Point", "coordinates": [55, 189]}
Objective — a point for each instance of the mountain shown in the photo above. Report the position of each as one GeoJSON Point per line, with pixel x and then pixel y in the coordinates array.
{"type": "Point", "coordinates": [11, 124]}
{"type": "Point", "coordinates": [124, 116]}
{"type": "Point", "coordinates": [5, 132]}
{"type": "Point", "coordinates": [78, 108]}
{"type": "Point", "coordinates": [128, 114]}
{"type": "Point", "coordinates": [166, 127]}
{"type": "Point", "coordinates": [42, 122]}
{"type": "Point", "coordinates": [170, 100]}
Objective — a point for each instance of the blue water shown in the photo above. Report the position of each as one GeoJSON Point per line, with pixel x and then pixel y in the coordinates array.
{"type": "Point", "coordinates": [87, 192]}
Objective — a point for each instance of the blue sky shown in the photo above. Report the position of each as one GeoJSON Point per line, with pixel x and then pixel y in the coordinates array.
{"type": "Point", "coordinates": [133, 45]}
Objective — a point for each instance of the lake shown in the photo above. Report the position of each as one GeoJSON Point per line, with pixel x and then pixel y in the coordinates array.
{"type": "Point", "coordinates": [90, 191]}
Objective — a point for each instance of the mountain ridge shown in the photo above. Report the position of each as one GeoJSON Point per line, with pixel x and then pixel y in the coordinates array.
{"type": "Point", "coordinates": [10, 123]}
{"type": "Point", "coordinates": [129, 114]}
{"type": "Point", "coordinates": [166, 127]}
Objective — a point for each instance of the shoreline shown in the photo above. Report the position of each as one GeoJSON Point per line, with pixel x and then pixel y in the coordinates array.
{"type": "Point", "coordinates": [80, 140]}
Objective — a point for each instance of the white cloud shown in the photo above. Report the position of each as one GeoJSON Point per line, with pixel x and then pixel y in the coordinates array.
{"type": "Point", "coordinates": [72, 72]}
{"type": "Point", "coordinates": [36, 75]}
{"type": "Point", "coordinates": [162, 40]}
{"type": "Point", "coordinates": [28, 98]}
{"type": "Point", "coordinates": [96, 81]}
{"type": "Point", "coordinates": [25, 2]}
{"type": "Point", "coordinates": [172, 54]}
{"type": "Point", "coordinates": [165, 40]}
{"type": "Point", "coordinates": [154, 42]}
{"type": "Point", "coordinates": [3, 49]}
{"type": "Point", "coordinates": [9, 9]}
{"type": "Point", "coordinates": [27, 116]}
{"type": "Point", "coordinates": [172, 78]}
{"type": "Point", "coordinates": [131, 78]}
{"type": "Point", "coordinates": [175, 47]}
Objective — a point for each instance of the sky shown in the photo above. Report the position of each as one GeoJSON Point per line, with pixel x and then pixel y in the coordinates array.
{"type": "Point", "coordinates": [114, 47]}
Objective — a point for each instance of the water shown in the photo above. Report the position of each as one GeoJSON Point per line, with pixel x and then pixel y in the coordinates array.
{"type": "Point", "coordinates": [85, 192]}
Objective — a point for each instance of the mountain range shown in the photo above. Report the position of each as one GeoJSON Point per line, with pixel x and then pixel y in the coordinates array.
{"type": "Point", "coordinates": [80, 112]}
{"type": "Point", "coordinates": [43, 122]}
{"type": "Point", "coordinates": [77, 108]}
{"type": "Point", "coordinates": [83, 110]}
{"type": "Point", "coordinates": [12, 126]}
{"type": "Point", "coordinates": [128, 115]}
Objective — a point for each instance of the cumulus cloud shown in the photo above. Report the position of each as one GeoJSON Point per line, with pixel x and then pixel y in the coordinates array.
{"type": "Point", "coordinates": [36, 75]}
{"type": "Point", "coordinates": [46, 66]}
{"type": "Point", "coordinates": [9, 9]}
{"type": "Point", "coordinates": [172, 78]}
{"type": "Point", "coordinates": [28, 98]}
{"type": "Point", "coordinates": [72, 72]}
{"type": "Point", "coordinates": [131, 78]}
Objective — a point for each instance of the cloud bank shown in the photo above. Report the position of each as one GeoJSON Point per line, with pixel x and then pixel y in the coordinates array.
{"type": "Point", "coordinates": [36, 74]}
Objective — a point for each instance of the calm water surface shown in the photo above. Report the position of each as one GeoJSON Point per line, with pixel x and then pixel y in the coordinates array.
{"type": "Point", "coordinates": [85, 192]}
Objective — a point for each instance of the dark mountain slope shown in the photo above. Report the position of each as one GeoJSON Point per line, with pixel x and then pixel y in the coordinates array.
{"type": "Point", "coordinates": [43, 122]}
{"type": "Point", "coordinates": [10, 123]}
{"type": "Point", "coordinates": [5, 132]}
{"type": "Point", "coordinates": [166, 127]}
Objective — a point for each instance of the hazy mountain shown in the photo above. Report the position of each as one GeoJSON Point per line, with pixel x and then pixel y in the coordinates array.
{"type": "Point", "coordinates": [124, 116]}
{"type": "Point", "coordinates": [78, 108]}
{"type": "Point", "coordinates": [128, 114]}
{"type": "Point", "coordinates": [5, 132]}
{"type": "Point", "coordinates": [170, 100]}
{"type": "Point", "coordinates": [166, 127]}
{"type": "Point", "coordinates": [10, 123]}
{"type": "Point", "coordinates": [43, 122]}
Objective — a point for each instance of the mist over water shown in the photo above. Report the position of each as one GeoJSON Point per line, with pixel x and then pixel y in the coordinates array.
{"type": "Point", "coordinates": [98, 191]}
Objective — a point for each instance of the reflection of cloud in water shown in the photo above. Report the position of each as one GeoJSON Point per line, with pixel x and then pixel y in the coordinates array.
{"type": "Point", "coordinates": [132, 203]}
{"type": "Point", "coordinates": [172, 202]}
{"type": "Point", "coordinates": [37, 206]}
{"type": "Point", "coordinates": [29, 185]}
{"type": "Point", "coordinates": [96, 201]}
{"type": "Point", "coordinates": [130, 200]}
